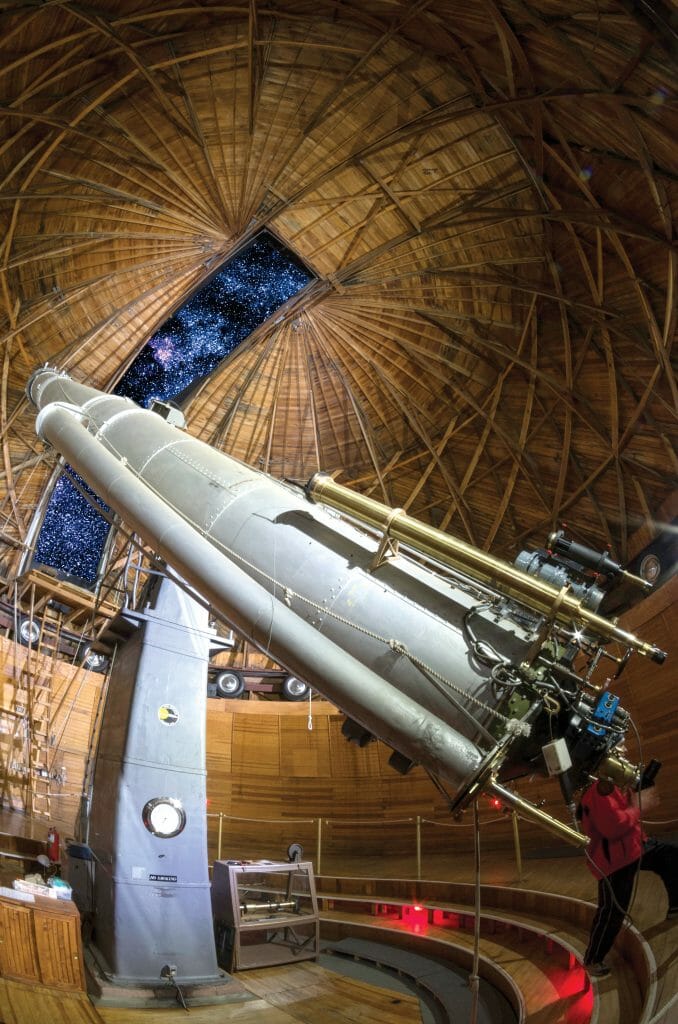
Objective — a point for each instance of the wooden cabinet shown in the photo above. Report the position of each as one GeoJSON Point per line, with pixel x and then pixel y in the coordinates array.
{"type": "Point", "coordinates": [18, 955]}
{"type": "Point", "coordinates": [265, 913]}
{"type": "Point", "coordinates": [40, 942]}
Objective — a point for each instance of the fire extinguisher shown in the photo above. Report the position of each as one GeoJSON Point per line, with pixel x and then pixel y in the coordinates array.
{"type": "Point", "coordinates": [53, 845]}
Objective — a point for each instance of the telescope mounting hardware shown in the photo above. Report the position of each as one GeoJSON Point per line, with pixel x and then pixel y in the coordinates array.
{"type": "Point", "coordinates": [295, 852]}
{"type": "Point", "coordinates": [388, 547]}
{"type": "Point", "coordinates": [599, 563]}
{"type": "Point", "coordinates": [530, 589]}
{"type": "Point", "coordinates": [545, 629]}
{"type": "Point", "coordinates": [484, 776]}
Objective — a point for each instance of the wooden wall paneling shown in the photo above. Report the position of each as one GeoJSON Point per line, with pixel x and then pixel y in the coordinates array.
{"type": "Point", "coordinates": [219, 734]}
{"type": "Point", "coordinates": [14, 751]}
{"type": "Point", "coordinates": [256, 745]}
{"type": "Point", "coordinates": [73, 700]}
{"type": "Point", "coordinates": [409, 794]}
{"type": "Point", "coordinates": [75, 697]}
{"type": "Point", "coordinates": [650, 693]}
{"type": "Point", "coordinates": [219, 771]}
{"type": "Point", "coordinates": [348, 759]}
{"type": "Point", "coordinates": [304, 752]}
{"type": "Point", "coordinates": [310, 798]}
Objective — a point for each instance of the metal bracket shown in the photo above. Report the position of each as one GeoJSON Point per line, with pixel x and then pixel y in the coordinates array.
{"type": "Point", "coordinates": [545, 628]}
{"type": "Point", "coordinates": [388, 548]}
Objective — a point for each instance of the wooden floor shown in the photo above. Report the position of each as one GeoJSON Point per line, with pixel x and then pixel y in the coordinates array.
{"type": "Point", "coordinates": [302, 993]}
{"type": "Point", "coordinates": [308, 994]}
{"type": "Point", "coordinates": [303, 989]}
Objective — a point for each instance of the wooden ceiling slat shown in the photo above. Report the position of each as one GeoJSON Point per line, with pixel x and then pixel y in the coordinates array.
{"type": "Point", "coordinates": [522, 437]}
{"type": "Point", "coordinates": [372, 404]}
{"type": "Point", "coordinates": [432, 463]}
{"type": "Point", "coordinates": [272, 408]}
{"type": "Point", "coordinates": [6, 458]}
{"type": "Point", "coordinates": [459, 505]}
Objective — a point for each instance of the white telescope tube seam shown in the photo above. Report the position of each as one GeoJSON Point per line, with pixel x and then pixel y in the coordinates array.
{"type": "Point", "coordinates": [157, 451]}
{"type": "Point", "coordinates": [102, 399]}
{"type": "Point", "coordinates": [123, 414]}
{"type": "Point", "coordinates": [73, 410]}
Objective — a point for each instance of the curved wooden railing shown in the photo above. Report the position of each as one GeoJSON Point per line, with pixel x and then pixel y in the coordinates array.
{"type": "Point", "coordinates": [545, 931]}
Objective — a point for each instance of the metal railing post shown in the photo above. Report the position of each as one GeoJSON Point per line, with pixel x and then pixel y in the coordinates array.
{"type": "Point", "coordinates": [474, 980]}
{"type": "Point", "coordinates": [219, 835]}
{"type": "Point", "coordinates": [418, 847]}
{"type": "Point", "coordinates": [516, 845]}
{"type": "Point", "coordinates": [319, 846]}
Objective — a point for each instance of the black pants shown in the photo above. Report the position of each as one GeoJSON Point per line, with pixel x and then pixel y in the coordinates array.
{"type": "Point", "coordinates": [615, 891]}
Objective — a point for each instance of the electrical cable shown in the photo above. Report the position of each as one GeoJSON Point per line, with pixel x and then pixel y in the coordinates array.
{"type": "Point", "coordinates": [179, 994]}
{"type": "Point", "coordinates": [640, 813]}
{"type": "Point", "coordinates": [439, 786]}
{"type": "Point", "coordinates": [474, 979]}
{"type": "Point", "coordinates": [482, 649]}
{"type": "Point", "coordinates": [168, 972]}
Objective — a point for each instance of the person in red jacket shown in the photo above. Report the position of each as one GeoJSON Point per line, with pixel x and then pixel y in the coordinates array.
{"type": "Point", "coordinates": [618, 849]}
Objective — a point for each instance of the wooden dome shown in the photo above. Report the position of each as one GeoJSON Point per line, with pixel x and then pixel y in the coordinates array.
{"type": "Point", "coordinates": [485, 193]}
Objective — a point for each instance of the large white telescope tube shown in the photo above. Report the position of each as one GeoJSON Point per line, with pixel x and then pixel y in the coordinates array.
{"type": "Point", "coordinates": [191, 504]}
{"type": "Point", "coordinates": [386, 640]}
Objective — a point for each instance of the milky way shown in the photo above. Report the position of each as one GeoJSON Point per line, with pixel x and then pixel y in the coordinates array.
{"type": "Point", "coordinates": [188, 346]}
{"type": "Point", "coordinates": [191, 343]}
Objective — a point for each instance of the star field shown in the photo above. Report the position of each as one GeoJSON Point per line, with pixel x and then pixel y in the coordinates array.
{"type": "Point", "coordinates": [244, 293]}
{"type": "Point", "coordinates": [188, 346]}
{"type": "Point", "coordinates": [73, 533]}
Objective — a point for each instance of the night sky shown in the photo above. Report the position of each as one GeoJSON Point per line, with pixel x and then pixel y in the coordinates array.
{"type": "Point", "coordinates": [189, 345]}
{"type": "Point", "coordinates": [244, 293]}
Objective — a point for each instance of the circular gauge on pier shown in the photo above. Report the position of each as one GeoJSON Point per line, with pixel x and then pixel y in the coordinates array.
{"type": "Point", "coordinates": [164, 817]}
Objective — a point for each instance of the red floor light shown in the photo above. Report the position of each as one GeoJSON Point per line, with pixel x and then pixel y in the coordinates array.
{"type": "Point", "coordinates": [573, 994]}
{"type": "Point", "coordinates": [415, 917]}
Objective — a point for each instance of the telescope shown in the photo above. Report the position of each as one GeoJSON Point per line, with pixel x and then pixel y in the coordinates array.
{"type": "Point", "coordinates": [479, 670]}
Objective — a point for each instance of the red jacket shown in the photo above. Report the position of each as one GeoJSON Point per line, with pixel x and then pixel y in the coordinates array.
{"type": "Point", "coordinates": [614, 829]}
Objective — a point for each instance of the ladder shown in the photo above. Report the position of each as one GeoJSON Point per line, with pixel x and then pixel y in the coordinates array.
{"type": "Point", "coordinates": [38, 671]}
{"type": "Point", "coordinates": [35, 661]}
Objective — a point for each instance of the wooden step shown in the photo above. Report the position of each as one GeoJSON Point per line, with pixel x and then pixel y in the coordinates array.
{"type": "Point", "coordinates": [446, 983]}
{"type": "Point", "coordinates": [549, 945]}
